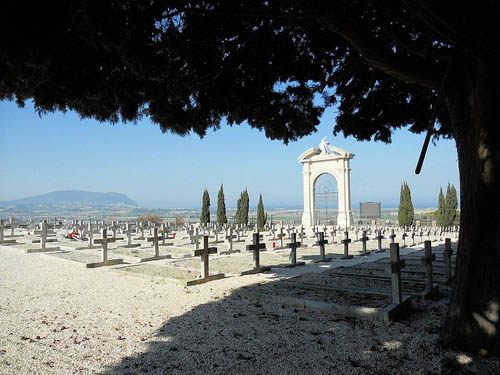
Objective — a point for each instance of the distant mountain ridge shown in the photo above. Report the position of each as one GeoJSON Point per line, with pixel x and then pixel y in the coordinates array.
{"type": "Point", "coordinates": [73, 197]}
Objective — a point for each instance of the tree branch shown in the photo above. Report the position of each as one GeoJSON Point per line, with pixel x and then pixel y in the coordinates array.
{"type": "Point", "coordinates": [419, 72]}
{"type": "Point", "coordinates": [448, 31]}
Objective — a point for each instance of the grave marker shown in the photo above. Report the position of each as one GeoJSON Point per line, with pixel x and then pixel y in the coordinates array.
{"type": "Point", "coordinates": [128, 229]}
{"type": "Point", "coordinates": [293, 252]}
{"type": "Point", "coordinates": [379, 238]}
{"type": "Point", "coordinates": [447, 253]}
{"type": "Point", "coordinates": [346, 241]}
{"type": "Point", "coordinates": [404, 239]}
{"type": "Point", "coordinates": [364, 239]}
{"type": "Point", "coordinates": [2, 240]}
{"type": "Point", "coordinates": [104, 251]}
{"type": "Point", "coordinates": [230, 238]}
{"type": "Point", "coordinates": [427, 262]}
{"type": "Point", "coordinates": [114, 227]}
{"type": "Point", "coordinates": [392, 236]}
{"type": "Point", "coordinates": [195, 239]}
{"type": "Point", "coordinates": [256, 247]}
{"type": "Point", "coordinates": [394, 268]}
{"type": "Point", "coordinates": [204, 255]}
{"type": "Point", "coordinates": [321, 243]}
{"type": "Point", "coordinates": [156, 244]}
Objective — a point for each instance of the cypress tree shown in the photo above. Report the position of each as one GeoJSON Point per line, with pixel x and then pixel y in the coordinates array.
{"type": "Point", "coordinates": [401, 207]}
{"type": "Point", "coordinates": [451, 205]}
{"type": "Point", "coordinates": [261, 216]}
{"type": "Point", "coordinates": [406, 212]}
{"type": "Point", "coordinates": [441, 208]}
{"type": "Point", "coordinates": [245, 207]}
{"type": "Point", "coordinates": [221, 207]}
{"type": "Point", "coordinates": [411, 210]}
{"type": "Point", "coordinates": [205, 209]}
{"type": "Point", "coordinates": [238, 211]}
{"type": "Point", "coordinates": [242, 208]}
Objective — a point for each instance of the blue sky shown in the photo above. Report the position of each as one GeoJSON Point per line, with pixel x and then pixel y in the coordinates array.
{"type": "Point", "coordinates": [61, 152]}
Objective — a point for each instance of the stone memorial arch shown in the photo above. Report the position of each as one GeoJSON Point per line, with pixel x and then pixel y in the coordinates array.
{"type": "Point", "coordinates": [334, 161]}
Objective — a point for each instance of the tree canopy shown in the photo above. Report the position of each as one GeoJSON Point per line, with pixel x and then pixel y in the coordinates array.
{"type": "Point", "coordinates": [189, 64]}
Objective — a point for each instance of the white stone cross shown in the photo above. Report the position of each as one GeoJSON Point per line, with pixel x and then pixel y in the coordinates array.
{"type": "Point", "coordinates": [230, 237]}
{"type": "Point", "coordinates": [281, 236]}
{"type": "Point", "coordinates": [141, 227]}
{"type": "Point", "coordinates": [155, 239]}
{"type": "Point", "coordinates": [164, 232]}
{"type": "Point", "coordinates": [128, 227]}
{"type": "Point", "coordinates": [114, 227]}
{"type": "Point", "coordinates": [43, 235]}
{"type": "Point", "coordinates": [12, 226]}
{"type": "Point", "coordinates": [195, 239]}
{"type": "Point", "coordinates": [91, 235]}
{"type": "Point", "coordinates": [104, 244]}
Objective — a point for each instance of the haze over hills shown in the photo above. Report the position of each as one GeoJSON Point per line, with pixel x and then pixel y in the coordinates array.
{"type": "Point", "coordinates": [72, 197]}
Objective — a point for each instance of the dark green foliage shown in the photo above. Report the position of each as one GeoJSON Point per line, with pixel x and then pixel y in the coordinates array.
{"type": "Point", "coordinates": [261, 215]}
{"type": "Point", "coordinates": [245, 207]}
{"type": "Point", "coordinates": [188, 65]}
{"type": "Point", "coordinates": [242, 208]}
{"type": "Point", "coordinates": [221, 207]}
{"type": "Point", "coordinates": [238, 211]}
{"type": "Point", "coordinates": [441, 208]}
{"type": "Point", "coordinates": [451, 205]}
{"type": "Point", "coordinates": [205, 209]}
{"type": "Point", "coordinates": [405, 211]}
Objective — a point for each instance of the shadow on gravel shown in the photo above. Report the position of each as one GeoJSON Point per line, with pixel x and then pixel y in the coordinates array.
{"type": "Point", "coordinates": [235, 335]}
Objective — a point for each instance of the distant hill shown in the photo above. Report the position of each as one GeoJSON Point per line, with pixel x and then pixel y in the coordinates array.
{"type": "Point", "coordinates": [72, 197]}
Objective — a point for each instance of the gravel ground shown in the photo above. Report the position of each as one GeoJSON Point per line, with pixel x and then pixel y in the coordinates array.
{"type": "Point", "coordinates": [59, 318]}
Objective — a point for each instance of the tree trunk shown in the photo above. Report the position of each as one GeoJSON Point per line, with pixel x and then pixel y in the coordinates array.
{"type": "Point", "coordinates": [472, 322]}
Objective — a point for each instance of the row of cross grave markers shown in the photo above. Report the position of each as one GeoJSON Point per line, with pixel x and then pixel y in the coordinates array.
{"type": "Point", "coordinates": [3, 241]}
{"type": "Point", "coordinates": [12, 226]}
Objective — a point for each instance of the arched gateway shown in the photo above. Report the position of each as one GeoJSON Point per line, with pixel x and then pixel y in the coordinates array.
{"type": "Point", "coordinates": [316, 162]}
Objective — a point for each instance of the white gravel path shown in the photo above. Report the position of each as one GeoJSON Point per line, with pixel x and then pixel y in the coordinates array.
{"type": "Point", "coordinates": [57, 317]}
